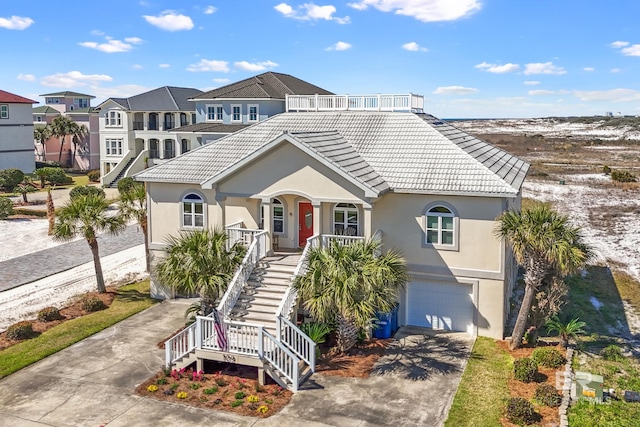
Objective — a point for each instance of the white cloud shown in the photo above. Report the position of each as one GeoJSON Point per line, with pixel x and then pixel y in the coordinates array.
{"type": "Point", "coordinates": [543, 68]}
{"type": "Point", "coordinates": [547, 92]}
{"type": "Point", "coordinates": [169, 20]}
{"type": "Point", "coordinates": [588, 69]}
{"type": "Point", "coordinates": [633, 50]}
{"type": "Point", "coordinates": [26, 77]}
{"type": "Point", "coordinates": [454, 90]}
{"type": "Point", "coordinates": [210, 10]}
{"type": "Point", "coordinates": [619, 44]}
{"type": "Point", "coordinates": [97, 33]}
{"type": "Point", "coordinates": [137, 67]}
{"type": "Point", "coordinates": [16, 23]}
{"type": "Point", "coordinates": [209, 65]}
{"type": "Point", "coordinates": [123, 91]}
{"type": "Point", "coordinates": [311, 12]}
{"type": "Point", "coordinates": [616, 70]}
{"type": "Point", "coordinates": [613, 95]}
{"type": "Point", "coordinates": [531, 82]}
{"type": "Point", "coordinates": [423, 10]}
{"type": "Point", "coordinates": [340, 46]}
{"type": "Point", "coordinates": [164, 65]}
{"type": "Point", "coordinates": [73, 79]}
{"type": "Point", "coordinates": [414, 47]}
{"type": "Point", "coordinates": [113, 45]}
{"type": "Point", "coordinates": [498, 69]}
{"type": "Point", "coordinates": [254, 66]}
{"type": "Point", "coordinates": [221, 80]}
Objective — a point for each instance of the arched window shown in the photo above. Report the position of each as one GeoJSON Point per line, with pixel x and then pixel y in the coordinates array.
{"type": "Point", "coordinates": [345, 219]}
{"type": "Point", "coordinates": [440, 226]}
{"type": "Point", "coordinates": [193, 211]}
{"type": "Point", "coordinates": [169, 149]}
{"type": "Point", "coordinates": [277, 216]}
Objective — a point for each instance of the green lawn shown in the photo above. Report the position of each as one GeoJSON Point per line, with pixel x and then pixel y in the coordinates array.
{"type": "Point", "coordinates": [483, 390]}
{"type": "Point", "coordinates": [130, 300]}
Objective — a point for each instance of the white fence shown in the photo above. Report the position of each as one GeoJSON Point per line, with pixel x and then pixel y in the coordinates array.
{"type": "Point", "coordinates": [402, 102]}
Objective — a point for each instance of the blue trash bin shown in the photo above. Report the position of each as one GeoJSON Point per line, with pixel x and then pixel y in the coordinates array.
{"type": "Point", "coordinates": [383, 322]}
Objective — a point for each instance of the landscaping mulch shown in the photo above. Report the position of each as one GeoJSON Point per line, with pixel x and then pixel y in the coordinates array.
{"type": "Point", "coordinates": [71, 311]}
{"type": "Point", "coordinates": [358, 362]}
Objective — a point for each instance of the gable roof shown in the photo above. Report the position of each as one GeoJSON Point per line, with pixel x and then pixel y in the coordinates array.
{"type": "Point", "coordinates": [45, 109]}
{"type": "Point", "coordinates": [166, 98]}
{"type": "Point", "coordinates": [69, 94]}
{"type": "Point", "coordinates": [410, 153]}
{"type": "Point", "coordinates": [267, 85]}
{"type": "Point", "coordinates": [12, 98]}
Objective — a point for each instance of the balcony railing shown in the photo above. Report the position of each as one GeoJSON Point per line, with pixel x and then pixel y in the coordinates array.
{"type": "Point", "coordinates": [400, 103]}
{"type": "Point", "coordinates": [138, 125]}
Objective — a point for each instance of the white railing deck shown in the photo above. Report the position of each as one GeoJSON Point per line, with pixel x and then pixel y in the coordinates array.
{"type": "Point", "coordinates": [381, 102]}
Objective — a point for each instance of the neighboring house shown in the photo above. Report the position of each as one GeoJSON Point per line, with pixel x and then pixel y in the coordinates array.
{"type": "Point", "coordinates": [427, 188]}
{"type": "Point", "coordinates": [134, 131]}
{"type": "Point", "coordinates": [77, 107]}
{"type": "Point", "coordinates": [16, 132]}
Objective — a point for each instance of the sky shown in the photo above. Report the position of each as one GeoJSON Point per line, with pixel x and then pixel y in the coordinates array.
{"type": "Point", "coordinates": [468, 58]}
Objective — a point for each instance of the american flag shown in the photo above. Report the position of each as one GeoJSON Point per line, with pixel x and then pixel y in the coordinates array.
{"type": "Point", "coordinates": [220, 333]}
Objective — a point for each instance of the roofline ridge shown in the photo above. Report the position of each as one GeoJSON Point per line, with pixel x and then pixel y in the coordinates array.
{"type": "Point", "coordinates": [173, 99]}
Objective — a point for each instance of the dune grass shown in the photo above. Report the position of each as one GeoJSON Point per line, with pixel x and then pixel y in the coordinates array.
{"type": "Point", "coordinates": [483, 390]}
{"type": "Point", "coordinates": [131, 299]}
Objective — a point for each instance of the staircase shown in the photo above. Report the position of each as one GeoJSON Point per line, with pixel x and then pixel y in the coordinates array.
{"type": "Point", "coordinates": [114, 183]}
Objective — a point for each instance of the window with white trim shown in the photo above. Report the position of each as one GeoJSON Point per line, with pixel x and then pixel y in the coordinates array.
{"type": "Point", "coordinates": [277, 216]}
{"type": "Point", "coordinates": [81, 102]}
{"type": "Point", "coordinates": [345, 219]}
{"type": "Point", "coordinates": [113, 146]}
{"type": "Point", "coordinates": [254, 112]}
{"type": "Point", "coordinates": [113, 118]}
{"type": "Point", "coordinates": [214, 113]}
{"type": "Point", "coordinates": [192, 211]}
{"type": "Point", "coordinates": [4, 111]}
{"type": "Point", "coordinates": [440, 226]}
{"type": "Point", "coordinates": [236, 113]}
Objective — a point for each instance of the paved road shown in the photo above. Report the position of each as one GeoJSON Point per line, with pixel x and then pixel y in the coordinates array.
{"type": "Point", "coordinates": [28, 268]}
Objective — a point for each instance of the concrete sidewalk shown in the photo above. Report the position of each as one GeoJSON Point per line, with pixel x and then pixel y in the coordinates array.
{"type": "Point", "coordinates": [92, 384]}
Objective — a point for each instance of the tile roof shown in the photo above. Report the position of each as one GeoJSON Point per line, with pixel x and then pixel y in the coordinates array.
{"type": "Point", "coordinates": [166, 98]}
{"type": "Point", "coordinates": [268, 85]}
{"type": "Point", "coordinates": [69, 94]}
{"type": "Point", "coordinates": [12, 98]}
{"type": "Point", "coordinates": [209, 128]}
{"type": "Point", "coordinates": [408, 152]}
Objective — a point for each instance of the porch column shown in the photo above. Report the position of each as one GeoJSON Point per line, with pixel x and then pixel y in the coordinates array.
{"type": "Point", "coordinates": [366, 223]}
{"type": "Point", "coordinates": [145, 121]}
{"type": "Point", "coordinates": [267, 222]}
{"type": "Point", "coordinates": [219, 212]}
{"type": "Point", "coordinates": [317, 217]}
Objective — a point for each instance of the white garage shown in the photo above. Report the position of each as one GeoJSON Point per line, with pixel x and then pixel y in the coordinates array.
{"type": "Point", "coordinates": [440, 305]}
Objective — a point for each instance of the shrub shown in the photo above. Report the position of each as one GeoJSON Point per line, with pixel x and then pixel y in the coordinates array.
{"type": "Point", "coordinates": [240, 395]}
{"type": "Point", "coordinates": [606, 170]}
{"type": "Point", "coordinates": [20, 331]}
{"type": "Point", "coordinates": [94, 175]}
{"type": "Point", "coordinates": [520, 411]}
{"type": "Point", "coordinates": [623, 176]}
{"type": "Point", "coordinates": [162, 381]}
{"type": "Point", "coordinates": [49, 314]}
{"type": "Point", "coordinates": [55, 176]}
{"type": "Point", "coordinates": [93, 304]}
{"type": "Point", "coordinates": [86, 190]}
{"type": "Point", "coordinates": [546, 394]}
{"type": "Point", "coordinates": [6, 207]}
{"type": "Point", "coordinates": [221, 382]}
{"type": "Point", "coordinates": [126, 184]}
{"type": "Point", "coordinates": [237, 403]}
{"type": "Point", "coordinates": [212, 390]}
{"type": "Point", "coordinates": [549, 357]}
{"type": "Point", "coordinates": [612, 353]}
{"type": "Point", "coordinates": [525, 369]}
{"type": "Point", "coordinates": [10, 178]}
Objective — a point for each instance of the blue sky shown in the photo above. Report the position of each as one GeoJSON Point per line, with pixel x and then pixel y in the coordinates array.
{"type": "Point", "coordinates": [469, 58]}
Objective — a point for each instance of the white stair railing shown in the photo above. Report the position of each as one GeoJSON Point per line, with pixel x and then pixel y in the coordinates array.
{"type": "Point", "coordinates": [281, 358]}
{"type": "Point", "coordinates": [256, 251]}
{"type": "Point", "coordinates": [327, 239]}
{"type": "Point", "coordinates": [297, 341]}
{"type": "Point", "coordinates": [179, 345]}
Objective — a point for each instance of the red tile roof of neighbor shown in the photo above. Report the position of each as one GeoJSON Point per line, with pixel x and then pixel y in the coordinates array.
{"type": "Point", "coordinates": [15, 99]}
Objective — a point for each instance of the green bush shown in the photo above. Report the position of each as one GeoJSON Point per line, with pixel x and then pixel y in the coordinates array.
{"type": "Point", "coordinates": [86, 190]}
{"type": "Point", "coordinates": [49, 314]}
{"type": "Point", "coordinates": [520, 411]}
{"type": "Point", "coordinates": [126, 184]}
{"type": "Point", "coordinates": [94, 175]}
{"type": "Point", "coordinates": [10, 178]}
{"type": "Point", "coordinates": [546, 394]}
{"type": "Point", "coordinates": [606, 170]}
{"type": "Point", "coordinates": [549, 357]}
{"type": "Point", "coordinates": [92, 304]}
{"type": "Point", "coordinates": [54, 176]}
{"type": "Point", "coordinates": [212, 390]}
{"type": "Point", "coordinates": [236, 403]}
{"type": "Point", "coordinates": [20, 331]}
{"type": "Point", "coordinates": [240, 395]}
{"type": "Point", "coordinates": [6, 207]}
{"type": "Point", "coordinates": [623, 176]}
{"type": "Point", "coordinates": [525, 369]}
{"type": "Point", "coordinates": [612, 353]}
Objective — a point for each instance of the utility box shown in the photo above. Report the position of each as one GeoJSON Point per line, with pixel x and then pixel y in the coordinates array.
{"type": "Point", "coordinates": [589, 386]}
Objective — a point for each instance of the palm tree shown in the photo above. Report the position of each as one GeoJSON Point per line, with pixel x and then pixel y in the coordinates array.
{"type": "Point", "coordinates": [346, 285]}
{"type": "Point", "coordinates": [78, 132]}
{"type": "Point", "coordinates": [86, 216]}
{"type": "Point", "coordinates": [566, 330]}
{"type": "Point", "coordinates": [542, 241]}
{"type": "Point", "coordinates": [42, 134]}
{"type": "Point", "coordinates": [198, 262]}
{"type": "Point", "coordinates": [133, 205]}
{"type": "Point", "coordinates": [60, 128]}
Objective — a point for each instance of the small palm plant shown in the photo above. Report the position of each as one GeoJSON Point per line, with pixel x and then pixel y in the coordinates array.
{"type": "Point", "coordinates": [317, 332]}
{"type": "Point", "coordinates": [566, 330]}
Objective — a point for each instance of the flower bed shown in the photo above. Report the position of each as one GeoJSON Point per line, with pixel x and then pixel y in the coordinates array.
{"type": "Point", "coordinates": [220, 386]}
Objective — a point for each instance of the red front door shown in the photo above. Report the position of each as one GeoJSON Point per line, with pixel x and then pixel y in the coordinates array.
{"type": "Point", "coordinates": [305, 223]}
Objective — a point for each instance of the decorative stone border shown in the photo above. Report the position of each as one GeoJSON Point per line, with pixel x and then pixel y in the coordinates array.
{"type": "Point", "coordinates": [566, 390]}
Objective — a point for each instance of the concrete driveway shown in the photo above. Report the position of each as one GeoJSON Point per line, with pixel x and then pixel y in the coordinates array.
{"type": "Point", "coordinates": [91, 384]}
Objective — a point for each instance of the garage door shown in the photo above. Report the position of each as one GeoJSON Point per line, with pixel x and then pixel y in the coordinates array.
{"type": "Point", "coordinates": [447, 306]}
